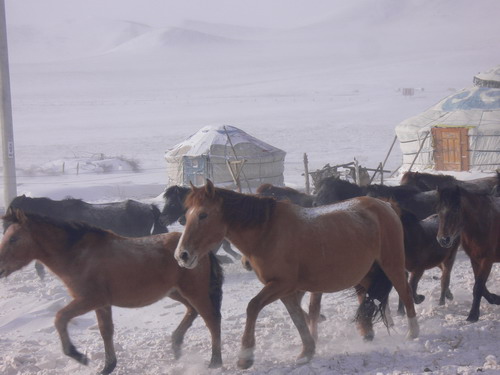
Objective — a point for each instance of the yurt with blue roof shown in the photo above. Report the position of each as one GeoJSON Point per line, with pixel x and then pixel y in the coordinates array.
{"type": "Point", "coordinates": [460, 133]}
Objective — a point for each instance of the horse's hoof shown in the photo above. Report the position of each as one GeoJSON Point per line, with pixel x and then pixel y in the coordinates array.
{"type": "Point", "coordinates": [108, 369]}
{"type": "Point", "coordinates": [304, 358]}
{"type": "Point", "coordinates": [177, 352]}
{"type": "Point", "coordinates": [245, 363]}
{"type": "Point", "coordinates": [215, 363]}
{"type": "Point", "coordinates": [418, 299]}
{"type": "Point", "coordinates": [76, 355]}
{"type": "Point", "coordinates": [245, 358]}
{"type": "Point", "coordinates": [472, 318]}
{"type": "Point", "coordinates": [449, 295]}
{"type": "Point", "coordinates": [369, 337]}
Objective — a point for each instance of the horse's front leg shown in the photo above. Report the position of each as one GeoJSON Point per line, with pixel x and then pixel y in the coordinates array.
{"type": "Point", "coordinates": [415, 277]}
{"type": "Point", "coordinates": [271, 292]}
{"type": "Point", "coordinates": [481, 270]}
{"type": "Point", "coordinates": [446, 268]}
{"type": "Point", "coordinates": [298, 317]}
{"type": "Point", "coordinates": [75, 308]}
{"type": "Point", "coordinates": [105, 322]}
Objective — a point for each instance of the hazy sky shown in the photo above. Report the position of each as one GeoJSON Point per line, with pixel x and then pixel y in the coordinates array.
{"type": "Point", "coordinates": [268, 13]}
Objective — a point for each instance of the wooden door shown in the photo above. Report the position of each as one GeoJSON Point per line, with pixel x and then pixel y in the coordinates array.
{"type": "Point", "coordinates": [451, 149]}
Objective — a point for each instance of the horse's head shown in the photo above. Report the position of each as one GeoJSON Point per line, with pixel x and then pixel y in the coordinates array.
{"type": "Point", "coordinates": [450, 218]}
{"type": "Point", "coordinates": [17, 246]}
{"type": "Point", "coordinates": [205, 225]}
{"type": "Point", "coordinates": [326, 192]}
{"type": "Point", "coordinates": [174, 204]}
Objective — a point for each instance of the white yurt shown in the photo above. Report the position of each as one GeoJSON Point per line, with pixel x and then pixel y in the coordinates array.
{"type": "Point", "coordinates": [460, 133]}
{"type": "Point", "coordinates": [226, 155]}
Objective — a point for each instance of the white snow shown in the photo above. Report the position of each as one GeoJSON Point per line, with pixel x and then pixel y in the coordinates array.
{"type": "Point", "coordinates": [322, 78]}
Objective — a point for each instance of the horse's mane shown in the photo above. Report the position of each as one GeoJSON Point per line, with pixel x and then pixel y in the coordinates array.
{"type": "Point", "coordinates": [450, 196]}
{"type": "Point", "coordinates": [176, 189]}
{"type": "Point", "coordinates": [238, 209]}
{"type": "Point", "coordinates": [264, 188]}
{"type": "Point", "coordinates": [74, 230]}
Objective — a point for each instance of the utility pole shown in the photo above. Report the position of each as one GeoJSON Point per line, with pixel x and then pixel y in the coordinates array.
{"type": "Point", "coordinates": [9, 161]}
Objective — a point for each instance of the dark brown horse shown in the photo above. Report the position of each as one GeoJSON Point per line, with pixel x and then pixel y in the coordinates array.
{"type": "Point", "coordinates": [431, 181]}
{"type": "Point", "coordinates": [102, 269]}
{"type": "Point", "coordinates": [285, 193]}
{"type": "Point", "coordinates": [424, 252]}
{"type": "Point", "coordinates": [294, 249]}
{"type": "Point", "coordinates": [475, 219]}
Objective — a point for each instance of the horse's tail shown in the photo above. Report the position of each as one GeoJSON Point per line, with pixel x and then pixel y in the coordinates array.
{"type": "Point", "coordinates": [216, 281]}
{"type": "Point", "coordinates": [158, 227]}
{"type": "Point", "coordinates": [379, 290]}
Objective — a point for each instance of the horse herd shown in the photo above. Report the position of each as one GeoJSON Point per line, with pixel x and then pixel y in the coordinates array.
{"type": "Point", "coordinates": [344, 236]}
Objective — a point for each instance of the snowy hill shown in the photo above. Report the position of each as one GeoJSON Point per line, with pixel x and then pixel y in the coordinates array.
{"type": "Point", "coordinates": [133, 79]}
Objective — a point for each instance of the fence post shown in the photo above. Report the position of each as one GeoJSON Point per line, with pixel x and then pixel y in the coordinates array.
{"type": "Point", "coordinates": [306, 171]}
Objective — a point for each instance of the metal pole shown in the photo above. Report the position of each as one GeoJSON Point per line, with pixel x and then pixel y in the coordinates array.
{"type": "Point", "coordinates": [9, 161]}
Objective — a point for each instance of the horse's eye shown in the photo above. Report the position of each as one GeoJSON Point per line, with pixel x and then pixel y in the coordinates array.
{"type": "Point", "coordinates": [13, 239]}
{"type": "Point", "coordinates": [202, 216]}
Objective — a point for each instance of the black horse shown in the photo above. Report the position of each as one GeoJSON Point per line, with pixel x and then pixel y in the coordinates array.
{"type": "Point", "coordinates": [128, 218]}
{"type": "Point", "coordinates": [174, 210]}
{"type": "Point", "coordinates": [431, 181]}
{"type": "Point", "coordinates": [410, 198]}
{"type": "Point", "coordinates": [286, 193]}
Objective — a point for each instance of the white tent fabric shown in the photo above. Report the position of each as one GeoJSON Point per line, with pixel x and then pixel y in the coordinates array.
{"type": "Point", "coordinates": [490, 78]}
{"type": "Point", "coordinates": [475, 108]}
{"type": "Point", "coordinates": [206, 154]}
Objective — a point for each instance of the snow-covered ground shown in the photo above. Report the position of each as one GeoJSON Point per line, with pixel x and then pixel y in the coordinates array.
{"type": "Point", "coordinates": [105, 91]}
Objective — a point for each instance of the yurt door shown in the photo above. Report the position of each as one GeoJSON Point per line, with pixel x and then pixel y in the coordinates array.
{"type": "Point", "coordinates": [195, 170]}
{"type": "Point", "coordinates": [451, 149]}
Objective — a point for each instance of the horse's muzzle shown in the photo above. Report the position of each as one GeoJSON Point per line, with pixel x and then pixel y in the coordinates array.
{"type": "Point", "coordinates": [445, 241]}
{"type": "Point", "coordinates": [185, 259]}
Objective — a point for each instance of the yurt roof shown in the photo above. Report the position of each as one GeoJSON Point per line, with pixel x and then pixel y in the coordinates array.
{"type": "Point", "coordinates": [475, 107]}
{"type": "Point", "coordinates": [490, 78]}
{"type": "Point", "coordinates": [209, 138]}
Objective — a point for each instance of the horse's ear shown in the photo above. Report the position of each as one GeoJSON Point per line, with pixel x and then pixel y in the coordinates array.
{"type": "Point", "coordinates": [210, 188]}
{"type": "Point", "coordinates": [193, 188]}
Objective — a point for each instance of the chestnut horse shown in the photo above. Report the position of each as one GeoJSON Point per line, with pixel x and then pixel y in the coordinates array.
{"type": "Point", "coordinates": [294, 249]}
{"type": "Point", "coordinates": [101, 269]}
{"type": "Point", "coordinates": [475, 219]}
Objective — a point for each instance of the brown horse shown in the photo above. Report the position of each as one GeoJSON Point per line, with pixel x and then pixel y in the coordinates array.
{"type": "Point", "coordinates": [294, 249]}
{"type": "Point", "coordinates": [102, 269]}
{"type": "Point", "coordinates": [475, 219]}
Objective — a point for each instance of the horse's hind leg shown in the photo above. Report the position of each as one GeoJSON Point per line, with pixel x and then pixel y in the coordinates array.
{"type": "Point", "coordinates": [63, 316]}
{"type": "Point", "coordinates": [105, 322]}
{"type": "Point", "coordinates": [314, 313]}
{"type": "Point", "coordinates": [398, 279]}
{"type": "Point", "coordinates": [297, 314]}
{"type": "Point", "coordinates": [212, 317]}
{"type": "Point", "coordinates": [481, 270]}
{"type": "Point", "coordinates": [186, 322]}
